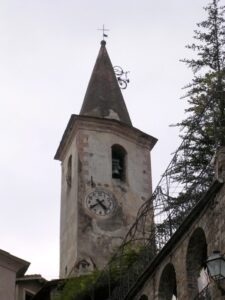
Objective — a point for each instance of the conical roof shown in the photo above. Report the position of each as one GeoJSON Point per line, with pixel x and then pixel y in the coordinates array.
{"type": "Point", "coordinates": [103, 97]}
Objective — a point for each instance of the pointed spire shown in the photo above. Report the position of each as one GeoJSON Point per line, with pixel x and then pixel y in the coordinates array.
{"type": "Point", "coordinates": [103, 97]}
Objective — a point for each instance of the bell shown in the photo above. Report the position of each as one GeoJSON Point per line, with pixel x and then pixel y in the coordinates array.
{"type": "Point", "coordinates": [116, 167]}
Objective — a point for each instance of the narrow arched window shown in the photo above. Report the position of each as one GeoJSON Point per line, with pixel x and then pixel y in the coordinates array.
{"type": "Point", "coordinates": [118, 162]}
{"type": "Point", "coordinates": [69, 171]}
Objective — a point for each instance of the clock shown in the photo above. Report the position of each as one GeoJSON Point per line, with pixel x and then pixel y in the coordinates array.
{"type": "Point", "coordinates": [101, 202]}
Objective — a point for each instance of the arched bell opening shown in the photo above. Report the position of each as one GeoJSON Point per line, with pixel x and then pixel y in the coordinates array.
{"type": "Point", "coordinates": [119, 162]}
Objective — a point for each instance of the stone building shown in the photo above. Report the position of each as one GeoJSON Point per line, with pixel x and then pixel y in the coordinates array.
{"type": "Point", "coordinates": [28, 285]}
{"type": "Point", "coordinates": [14, 284]}
{"type": "Point", "coordinates": [106, 174]}
{"type": "Point", "coordinates": [11, 267]}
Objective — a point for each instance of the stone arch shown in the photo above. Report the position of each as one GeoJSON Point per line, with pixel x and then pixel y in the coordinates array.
{"type": "Point", "coordinates": [195, 260]}
{"type": "Point", "coordinates": [119, 162]}
{"type": "Point", "coordinates": [168, 283]}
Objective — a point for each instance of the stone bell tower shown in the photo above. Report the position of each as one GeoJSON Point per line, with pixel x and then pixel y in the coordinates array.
{"type": "Point", "coordinates": [106, 174]}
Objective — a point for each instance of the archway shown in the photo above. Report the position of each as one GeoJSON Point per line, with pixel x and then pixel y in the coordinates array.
{"type": "Point", "coordinates": [197, 278]}
{"type": "Point", "coordinates": [168, 284]}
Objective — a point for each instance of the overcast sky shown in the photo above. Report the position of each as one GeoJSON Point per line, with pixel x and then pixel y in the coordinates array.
{"type": "Point", "coordinates": [47, 52]}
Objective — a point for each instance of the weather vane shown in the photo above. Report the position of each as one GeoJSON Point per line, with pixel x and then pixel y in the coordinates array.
{"type": "Point", "coordinates": [103, 29]}
{"type": "Point", "coordinates": [121, 77]}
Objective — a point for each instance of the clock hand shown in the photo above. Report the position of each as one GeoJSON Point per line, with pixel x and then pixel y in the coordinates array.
{"type": "Point", "coordinates": [93, 205]}
{"type": "Point", "coordinates": [101, 204]}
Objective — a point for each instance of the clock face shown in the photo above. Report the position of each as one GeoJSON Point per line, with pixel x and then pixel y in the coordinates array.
{"type": "Point", "coordinates": [100, 202]}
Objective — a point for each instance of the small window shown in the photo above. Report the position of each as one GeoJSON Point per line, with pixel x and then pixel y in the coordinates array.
{"type": "Point", "coordinates": [118, 162]}
{"type": "Point", "coordinates": [69, 171]}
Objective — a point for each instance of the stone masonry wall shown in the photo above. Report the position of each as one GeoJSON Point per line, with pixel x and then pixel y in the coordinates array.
{"type": "Point", "coordinates": [209, 225]}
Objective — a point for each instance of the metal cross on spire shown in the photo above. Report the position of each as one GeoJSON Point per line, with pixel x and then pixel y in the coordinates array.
{"type": "Point", "coordinates": [103, 29]}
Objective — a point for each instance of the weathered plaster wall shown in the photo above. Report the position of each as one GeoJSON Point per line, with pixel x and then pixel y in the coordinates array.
{"type": "Point", "coordinates": [99, 236]}
{"type": "Point", "coordinates": [85, 236]}
{"type": "Point", "coordinates": [7, 283]}
{"type": "Point", "coordinates": [68, 213]}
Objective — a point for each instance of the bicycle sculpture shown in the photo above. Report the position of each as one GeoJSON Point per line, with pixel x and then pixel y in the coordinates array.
{"type": "Point", "coordinates": [121, 77]}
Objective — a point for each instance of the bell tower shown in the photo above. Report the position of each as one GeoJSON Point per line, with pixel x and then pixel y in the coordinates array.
{"type": "Point", "coordinates": [106, 174]}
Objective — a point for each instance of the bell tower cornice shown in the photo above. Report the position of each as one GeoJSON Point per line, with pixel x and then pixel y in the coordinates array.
{"type": "Point", "coordinates": [77, 122]}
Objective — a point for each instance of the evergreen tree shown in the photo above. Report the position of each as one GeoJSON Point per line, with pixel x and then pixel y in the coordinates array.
{"type": "Point", "coordinates": [204, 126]}
{"type": "Point", "coordinates": [203, 129]}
